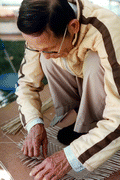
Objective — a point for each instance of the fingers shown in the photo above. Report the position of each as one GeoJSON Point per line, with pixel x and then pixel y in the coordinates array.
{"type": "Point", "coordinates": [42, 173]}
{"type": "Point", "coordinates": [61, 173]}
{"type": "Point", "coordinates": [53, 167]}
{"type": "Point", "coordinates": [36, 137]}
{"type": "Point", "coordinates": [44, 147]}
{"type": "Point", "coordinates": [31, 147]}
{"type": "Point", "coordinates": [56, 175]}
{"type": "Point", "coordinates": [37, 169]}
{"type": "Point", "coordinates": [36, 151]}
{"type": "Point", "coordinates": [31, 151]}
{"type": "Point", "coordinates": [48, 176]}
{"type": "Point", "coordinates": [24, 149]}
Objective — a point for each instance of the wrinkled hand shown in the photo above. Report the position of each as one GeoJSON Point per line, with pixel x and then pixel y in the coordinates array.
{"type": "Point", "coordinates": [52, 168]}
{"type": "Point", "coordinates": [36, 137]}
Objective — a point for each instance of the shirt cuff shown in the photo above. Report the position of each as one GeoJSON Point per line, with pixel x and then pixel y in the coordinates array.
{"type": "Point", "coordinates": [33, 123]}
{"type": "Point", "coordinates": [74, 162]}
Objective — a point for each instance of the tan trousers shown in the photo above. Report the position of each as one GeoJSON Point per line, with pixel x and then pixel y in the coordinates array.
{"type": "Point", "coordinates": [69, 92]}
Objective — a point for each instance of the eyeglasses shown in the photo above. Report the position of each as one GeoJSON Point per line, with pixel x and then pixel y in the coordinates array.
{"type": "Point", "coordinates": [51, 52]}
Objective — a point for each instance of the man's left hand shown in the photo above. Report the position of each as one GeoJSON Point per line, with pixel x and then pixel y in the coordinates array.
{"type": "Point", "coordinates": [52, 168]}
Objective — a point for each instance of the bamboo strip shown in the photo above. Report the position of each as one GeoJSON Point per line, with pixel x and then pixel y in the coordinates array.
{"type": "Point", "coordinates": [14, 125]}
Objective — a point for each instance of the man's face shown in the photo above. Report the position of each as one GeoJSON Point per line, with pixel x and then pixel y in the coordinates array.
{"type": "Point", "coordinates": [48, 42]}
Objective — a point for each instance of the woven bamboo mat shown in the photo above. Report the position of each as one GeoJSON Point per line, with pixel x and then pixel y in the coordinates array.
{"type": "Point", "coordinates": [103, 172]}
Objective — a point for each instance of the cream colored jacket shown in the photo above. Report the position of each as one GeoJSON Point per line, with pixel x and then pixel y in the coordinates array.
{"type": "Point", "coordinates": [100, 31]}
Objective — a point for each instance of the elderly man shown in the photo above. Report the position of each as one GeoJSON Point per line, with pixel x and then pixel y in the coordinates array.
{"type": "Point", "coordinates": [76, 45]}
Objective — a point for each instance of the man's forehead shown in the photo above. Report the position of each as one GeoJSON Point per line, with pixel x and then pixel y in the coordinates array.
{"type": "Point", "coordinates": [45, 40]}
{"type": "Point", "coordinates": [39, 38]}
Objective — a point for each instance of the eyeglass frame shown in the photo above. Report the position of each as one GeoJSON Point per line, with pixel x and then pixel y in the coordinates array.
{"type": "Point", "coordinates": [51, 52]}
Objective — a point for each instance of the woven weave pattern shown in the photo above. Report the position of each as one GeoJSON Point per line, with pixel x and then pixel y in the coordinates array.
{"type": "Point", "coordinates": [53, 146]}
{"type": "Point", "coordinates": [103, 172]}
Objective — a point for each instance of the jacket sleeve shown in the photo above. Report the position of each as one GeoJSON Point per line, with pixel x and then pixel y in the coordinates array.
{"type": "Point", "coordinates": [29, 85]}
{"type": "Point", "coordinates": [100, 143]}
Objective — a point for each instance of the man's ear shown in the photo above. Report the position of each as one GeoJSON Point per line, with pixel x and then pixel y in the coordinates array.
{"type": "Point", "coordinates": [74, 26]}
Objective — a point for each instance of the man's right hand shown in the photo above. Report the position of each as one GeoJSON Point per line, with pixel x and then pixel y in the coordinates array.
{"type": "Point", "coordinates": [36, 137]}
